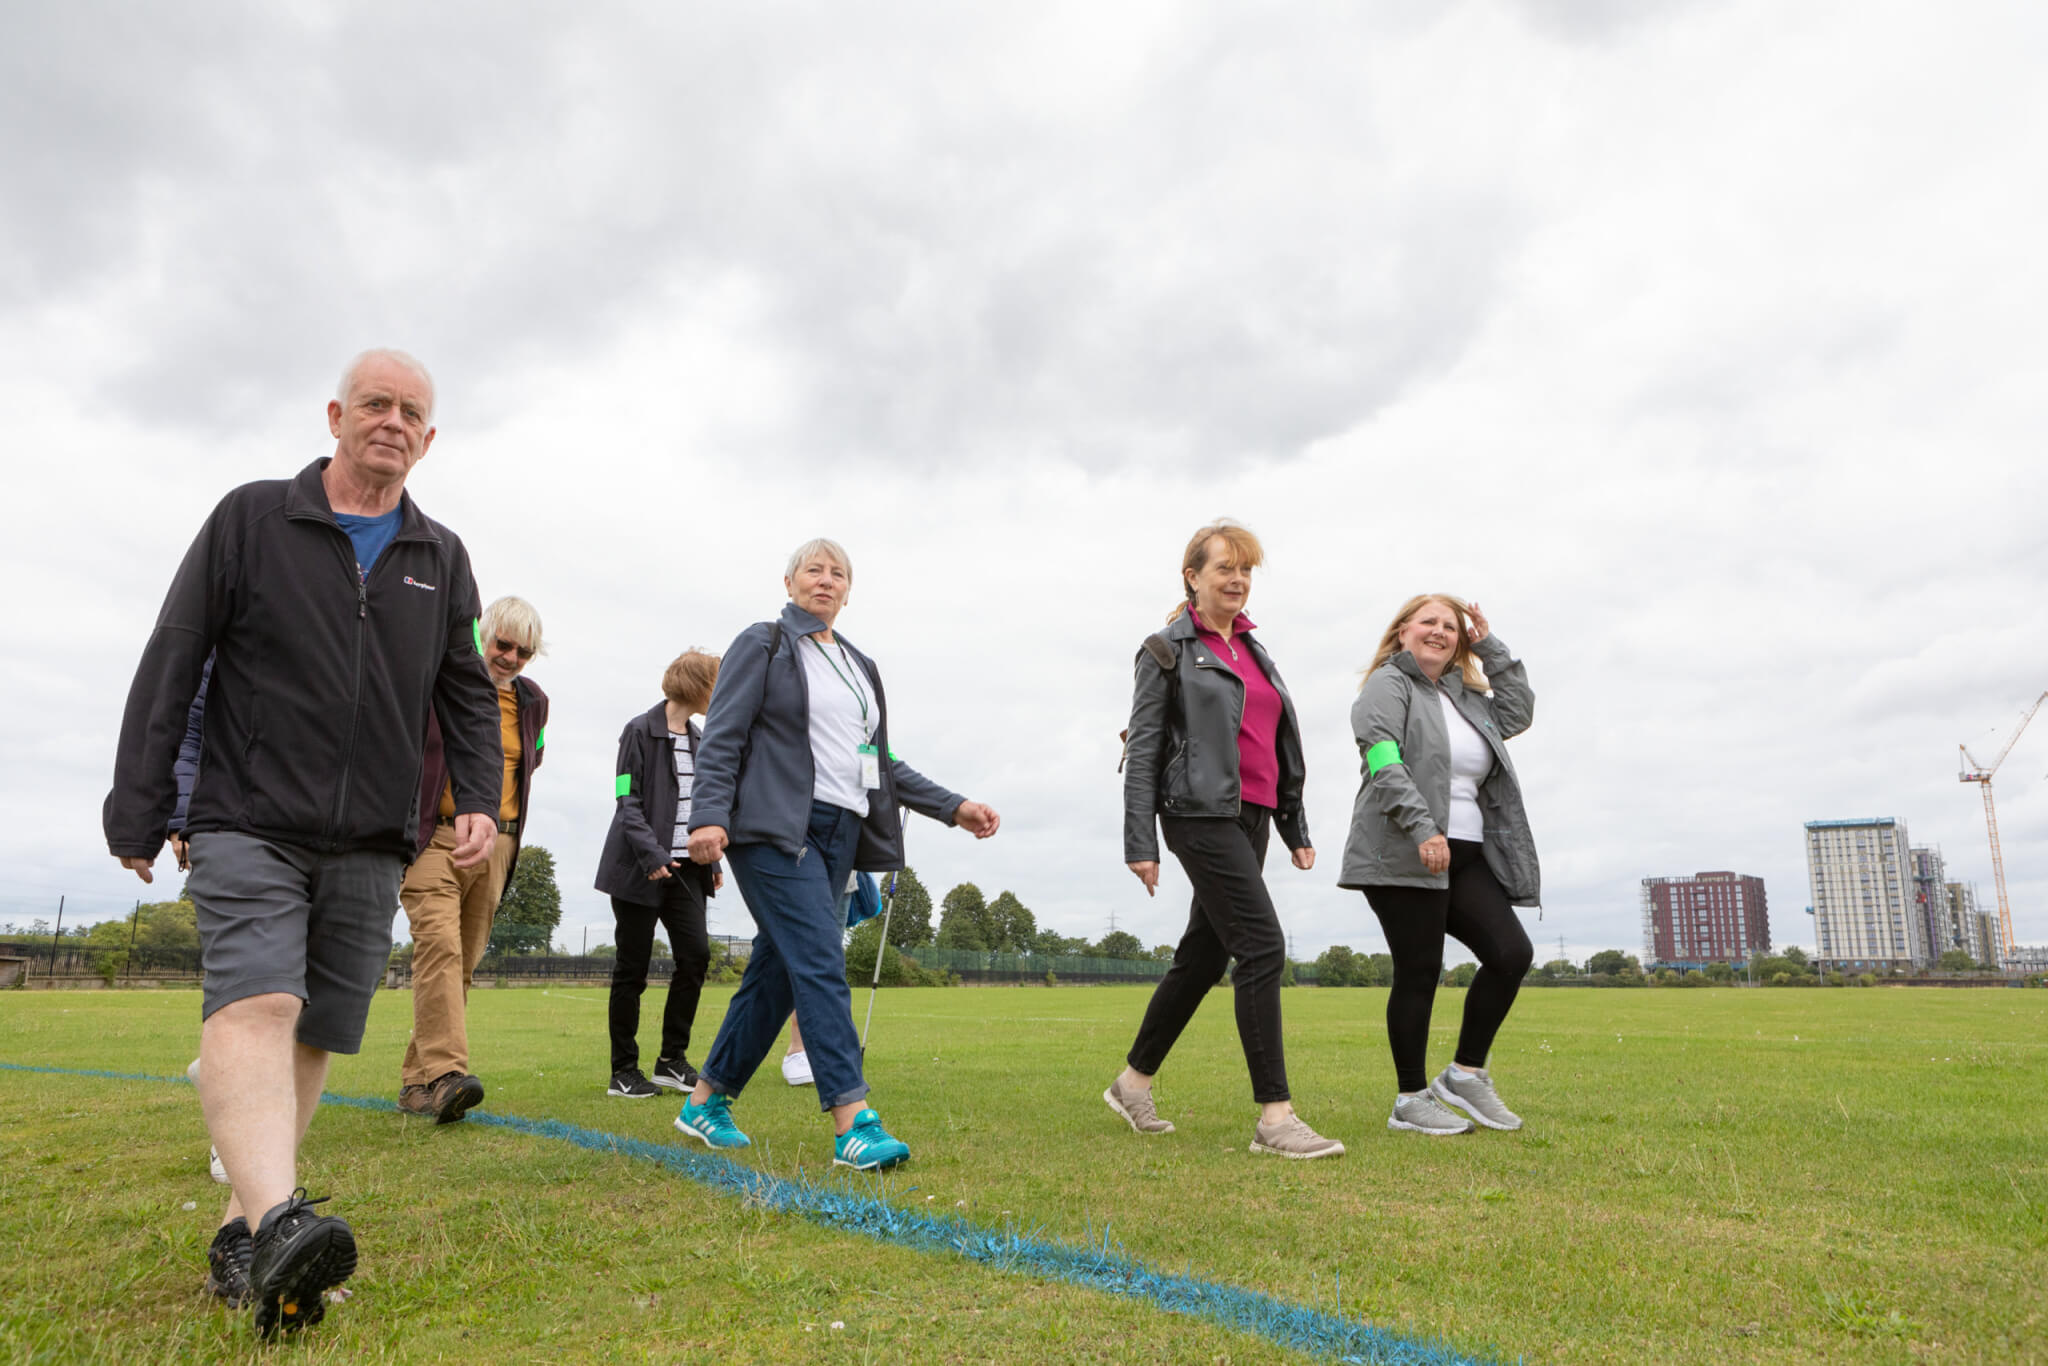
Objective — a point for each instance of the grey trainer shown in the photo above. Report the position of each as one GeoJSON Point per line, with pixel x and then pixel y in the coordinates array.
{"type": "Point", "coordinates": [1293, 1138]}
{"type": "Point", "coordinates": [1136, 1108]}
{"type": "Point", "coordinates": [1476, 1097]}
{"type": "Point", "coordinates": [1424, 1115]}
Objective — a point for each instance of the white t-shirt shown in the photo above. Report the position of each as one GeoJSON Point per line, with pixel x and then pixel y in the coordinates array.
{"type": "Point", "coordinates": [686, 777]}
{"type": "Point", "coordinates": [844, 716]}
{"type": "Point", "coordinates": [1471, 761]}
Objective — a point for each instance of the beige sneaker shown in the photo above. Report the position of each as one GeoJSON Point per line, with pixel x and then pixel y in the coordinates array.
{"type": "Point", "coordinates": [1293, 1138]}
{"type": "Point", "coordinates": [1136, 1108]}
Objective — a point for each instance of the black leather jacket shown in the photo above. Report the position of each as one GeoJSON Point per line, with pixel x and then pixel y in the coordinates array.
{"type": "Point", "coordinates": [1182, 755]}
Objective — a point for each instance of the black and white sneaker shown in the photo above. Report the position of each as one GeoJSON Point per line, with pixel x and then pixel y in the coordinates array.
{"type": "Point", "coordinates": [227, 1263]}
{"type": "Point", "coordinates": [298, 1257]}
{"type": "Point", "coordinates": [632, 1084]}
{"type": "Point", "coordinates": [674, 1073]}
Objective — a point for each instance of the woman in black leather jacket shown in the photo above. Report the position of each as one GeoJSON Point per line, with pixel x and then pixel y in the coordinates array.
{"type": "Point", "coordinates": [1215, 760]}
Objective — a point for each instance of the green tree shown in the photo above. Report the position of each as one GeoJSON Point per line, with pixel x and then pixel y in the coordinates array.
{"type": "Point", "coordinates": [963, 917]}
{"type": "Point", "coordinates": [1378, 971]}
{"type": "Point", "coordinates": [1338, 966]}
{"type": "Point", "coordinates": [1163, 952]}
{"type": "Point", "coordinates": [1052, 944]}
{"type": "Point", "coordinates": [1120, 944]}
{"type": "Point", "coordinates": [1958, 960]}
{"type": "Point", "coordinates": [1607, 962]}
{"type": "Point", "coordinates": [1462, 975]}
{"type": "Point", "coordinates": [1011, 926]}
{"type": "Point", "coordinates": [1794, 954]}
{"type": "Point", "coordinates": [532, 906]}
{"type": "Point", "coordinates": [910, 912]}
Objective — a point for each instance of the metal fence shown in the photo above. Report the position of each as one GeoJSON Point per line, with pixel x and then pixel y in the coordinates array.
{"type": "Point", "coordinates": [974, 965]}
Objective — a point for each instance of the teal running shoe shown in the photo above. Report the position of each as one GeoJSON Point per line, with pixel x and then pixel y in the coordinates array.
{"type": "Point", "coordinates": [867, 1146]}
{"type": "Point", "coordinates": [712, 1122]}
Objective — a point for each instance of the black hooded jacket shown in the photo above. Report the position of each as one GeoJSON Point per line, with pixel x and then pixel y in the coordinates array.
{"type": "Point", "coordinates": [322, 684]}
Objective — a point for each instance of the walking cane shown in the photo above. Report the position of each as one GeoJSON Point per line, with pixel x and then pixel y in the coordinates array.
{"type": "Point", "coordinates": [881, 947]}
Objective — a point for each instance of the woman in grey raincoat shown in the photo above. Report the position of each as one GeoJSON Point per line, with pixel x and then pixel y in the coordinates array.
{"type": "Point", "coordinates": [1440, 844]}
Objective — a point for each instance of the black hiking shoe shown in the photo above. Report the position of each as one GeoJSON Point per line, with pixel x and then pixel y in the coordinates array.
{"type": "Point", "coordinates": [298, 1257]}
{"type": "Point", "coordinates": [227, 1263]}
{"type": "Point", "coordinates": [632, 1085]}
{"type": "Point", "coordinates": [674, 1073]}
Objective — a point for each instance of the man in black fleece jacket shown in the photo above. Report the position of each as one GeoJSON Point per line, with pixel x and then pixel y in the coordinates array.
{"type": "Point", "coordinates": [337, 615]}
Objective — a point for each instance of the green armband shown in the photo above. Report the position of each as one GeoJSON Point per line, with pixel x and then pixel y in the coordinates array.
{"type": "Point", "coordinates": [1380, 755]}
{"type": "Point", "coordinates": [540, 739]}
{"type": "Point", "coordinates": [476, 631]}
{"type": "Point", "coordinates": [624, 786]}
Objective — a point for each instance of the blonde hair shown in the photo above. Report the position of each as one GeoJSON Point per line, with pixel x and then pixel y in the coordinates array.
{"type": "Point", "coordinates": [690, 676]}
{"type": "Point", "coordinates": [515, 620]}
{"type": "Point", "coordinates": [1243, 547]}
{"type": "Point", "coordinates": [1466, 662]}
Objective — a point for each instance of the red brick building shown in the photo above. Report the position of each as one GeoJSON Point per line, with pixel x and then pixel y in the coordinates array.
{"type": "Point", "coordinates": [1705, 918]}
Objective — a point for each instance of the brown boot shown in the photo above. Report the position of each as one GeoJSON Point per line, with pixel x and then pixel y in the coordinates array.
{"type": "Point", "coordinates": [453, 1094]}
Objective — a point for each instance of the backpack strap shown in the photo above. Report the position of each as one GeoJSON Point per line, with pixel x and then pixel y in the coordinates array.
{"type": "Point", "coordinates": [1162, 652]}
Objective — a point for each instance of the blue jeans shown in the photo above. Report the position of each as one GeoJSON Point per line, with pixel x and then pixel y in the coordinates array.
{"type": "Point", "coordinates": [799, 961]}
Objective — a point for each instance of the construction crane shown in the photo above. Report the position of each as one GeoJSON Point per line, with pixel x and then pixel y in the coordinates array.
{"type": "Point", "coordinates": [1974, 772]}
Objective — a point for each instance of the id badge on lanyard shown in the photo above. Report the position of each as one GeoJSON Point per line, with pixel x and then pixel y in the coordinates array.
{"type": "Point", "coordinates": [870, 767]}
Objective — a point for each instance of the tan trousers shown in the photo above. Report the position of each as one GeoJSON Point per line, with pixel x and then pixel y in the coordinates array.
{"type": "Point", "coordinates": [451, 910]}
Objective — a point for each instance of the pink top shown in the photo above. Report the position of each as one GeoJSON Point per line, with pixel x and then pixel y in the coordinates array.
{"type": "Point", "coordinates": [1258, 758]}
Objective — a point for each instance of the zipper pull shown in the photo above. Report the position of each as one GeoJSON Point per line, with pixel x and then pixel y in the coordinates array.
{"type": "Point", "coordinates": [362, 598]}
{"type": "Point", "coordinates": [801, 852]}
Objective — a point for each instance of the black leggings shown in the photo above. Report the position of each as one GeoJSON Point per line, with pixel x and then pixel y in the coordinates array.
{"type": "Point", "coordinates": [681, 913]}
{"type": "Point", "coordinates": [1474, 910]}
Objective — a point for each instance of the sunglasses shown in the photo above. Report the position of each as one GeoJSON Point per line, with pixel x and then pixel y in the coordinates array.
{"type": "Point", "coordinates": [506, 647]}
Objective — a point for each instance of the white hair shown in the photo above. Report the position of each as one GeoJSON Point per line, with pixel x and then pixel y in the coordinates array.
{"type": "Point", "coordinates": [830, 549]}
{"type": "Point", "coordinates": [515, 620]}
{"type": "Point", "coordinates": [390, 353]}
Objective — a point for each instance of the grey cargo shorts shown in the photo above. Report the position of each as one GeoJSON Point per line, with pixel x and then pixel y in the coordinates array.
{"type": "Point", "coordinates": [279, 918]}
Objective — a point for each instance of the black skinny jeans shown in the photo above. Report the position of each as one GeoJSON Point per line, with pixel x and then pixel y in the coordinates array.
{"type": "Point", "coordinates": [1474, 910]}
{"type": "Point", "coordinates": [681, 913]}
{"type": "Point", "coordinates": [1232, 917]}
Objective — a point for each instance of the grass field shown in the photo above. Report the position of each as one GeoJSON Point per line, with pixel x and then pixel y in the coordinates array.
{"type": "Point", "coordinates": [1704, 1176]}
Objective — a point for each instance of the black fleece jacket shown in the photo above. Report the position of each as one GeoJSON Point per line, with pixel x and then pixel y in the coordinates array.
{"type": "Point", "coordinates": [317, 709]}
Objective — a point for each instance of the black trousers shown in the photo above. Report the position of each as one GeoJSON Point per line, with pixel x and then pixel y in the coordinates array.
{"type": "Point", "coordinates": [1474, 910]}
{"type": "Point", "coordinates": [681, 913]}
{"type": "Point", "coordinates": [1232, 917]}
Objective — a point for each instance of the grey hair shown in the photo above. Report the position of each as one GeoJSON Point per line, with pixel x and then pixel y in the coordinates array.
{"type": "Point", "coordinates": [390, 353]}
{"type": "Point", "coordinates": [516, 621]}
{"type": "Point", "coordinates": [819, 545]}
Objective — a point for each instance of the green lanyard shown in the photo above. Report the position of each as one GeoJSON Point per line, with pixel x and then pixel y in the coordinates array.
{"type": "Point", "coordinates": [859, 694]}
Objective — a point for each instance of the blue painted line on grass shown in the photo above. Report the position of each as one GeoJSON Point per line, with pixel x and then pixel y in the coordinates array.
{"type": "Point", "coordinates": [1095, 1266]}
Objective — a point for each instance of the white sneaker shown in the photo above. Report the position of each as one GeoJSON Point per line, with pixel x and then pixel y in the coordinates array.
{"type": "Point", "coordinates": [796, 1069]}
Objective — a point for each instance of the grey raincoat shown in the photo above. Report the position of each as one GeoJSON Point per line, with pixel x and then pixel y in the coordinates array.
{"type": "Point", "coordinates": [1405, 797]}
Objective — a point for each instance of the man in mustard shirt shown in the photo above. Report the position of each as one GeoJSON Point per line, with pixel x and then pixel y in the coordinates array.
{"type": "Point", "coordinates": [451, 908]}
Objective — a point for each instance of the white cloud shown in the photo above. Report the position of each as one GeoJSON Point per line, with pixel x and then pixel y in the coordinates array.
{"type": "Point", "coordinates": [1698, 342]}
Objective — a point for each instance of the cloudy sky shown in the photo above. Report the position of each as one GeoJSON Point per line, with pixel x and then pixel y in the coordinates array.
{"type": "Point", "coordinates": [1700, 342]}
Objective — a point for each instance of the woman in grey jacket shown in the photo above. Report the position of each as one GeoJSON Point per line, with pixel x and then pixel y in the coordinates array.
{"type": "Point", "coordinates": [1440, 843]}
{"type": "Point", "coordinates": [1215, 759]}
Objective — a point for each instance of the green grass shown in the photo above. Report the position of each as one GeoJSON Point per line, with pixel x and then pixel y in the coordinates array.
{"type": "Point", "coordinates": [1705, 1176]}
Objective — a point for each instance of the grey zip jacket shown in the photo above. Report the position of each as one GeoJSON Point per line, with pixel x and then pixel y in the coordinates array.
{"type": "Point", "coordinates": [1405, 797]}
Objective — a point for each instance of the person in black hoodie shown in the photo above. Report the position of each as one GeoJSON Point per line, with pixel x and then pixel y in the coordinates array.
{"type": "Point", "coordinates": [647, 872]}
{"type": "Point", "coordinates": [338, 615]}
